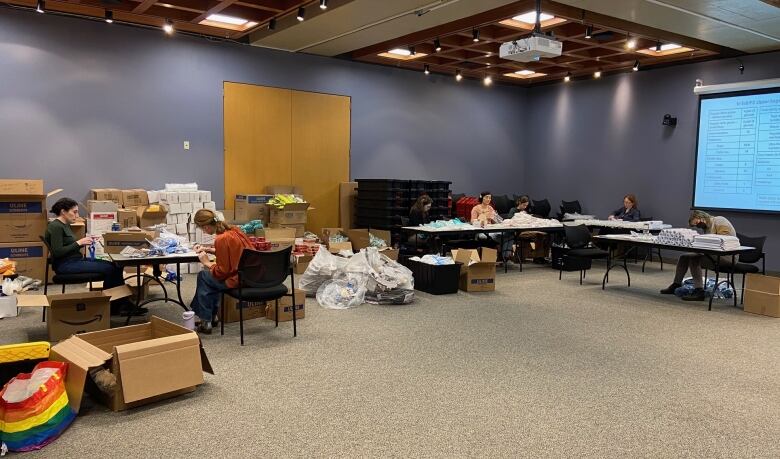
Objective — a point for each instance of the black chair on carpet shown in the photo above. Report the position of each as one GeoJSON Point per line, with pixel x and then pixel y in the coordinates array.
{"type": "Point", "coordinates": [578, 238]}
{"type": "Point", "coordinates": [746, 262]}
{"type": "Point", "coordinates": [261, 277]}
{"type": "Point", "coordinates": [541, 208]}
{"type": "Point", "coordinates": [65, 279]}
{"type": "Point", "coordinates": [570, 207]}
{"type": "Point", "coordinates": [503, 205]}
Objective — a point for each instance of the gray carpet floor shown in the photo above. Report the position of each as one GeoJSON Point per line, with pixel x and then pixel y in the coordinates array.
{"type": "Point", "coordinates": [539, 368]}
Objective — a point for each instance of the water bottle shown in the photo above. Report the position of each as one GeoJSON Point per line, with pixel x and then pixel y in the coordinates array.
{"type": "Point", "coordinates": [92, 250]}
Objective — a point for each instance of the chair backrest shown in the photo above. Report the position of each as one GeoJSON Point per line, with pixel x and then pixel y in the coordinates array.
{"type": "Point", "coordinates": [48, 249]}
{"type": "Point", "coordinates": [264, 269]}
{"type": "Point", "coordinates": [502, 203]}
{"type": "Point", "coordinates": [541, 208]}
{"type": "Point", "coordinates": [748, 241]}
{"type": "Point", "coordinates": [577, 236]}
{"type": "Point", "coordinates": [571, 207]}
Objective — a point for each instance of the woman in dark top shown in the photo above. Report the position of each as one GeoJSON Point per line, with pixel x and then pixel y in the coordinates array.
{"type": "Point", "coordinates": [419, 213]}
{"type": "Point", "coordinates": [628, 212]}
{"type": "Point", "coordinates": [66, 250]}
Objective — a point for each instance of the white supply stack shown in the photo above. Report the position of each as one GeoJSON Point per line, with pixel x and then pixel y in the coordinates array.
{"type": "Point", "coordinates": [715, 242]}
{"type": "Point", "coordinates": [182, 201]}
{"type": "Point", "coordinates": [682, 237]}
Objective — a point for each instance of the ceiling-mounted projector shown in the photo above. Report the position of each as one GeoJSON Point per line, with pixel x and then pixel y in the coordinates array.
{"type": "Point", "coordinates": [530, 49]}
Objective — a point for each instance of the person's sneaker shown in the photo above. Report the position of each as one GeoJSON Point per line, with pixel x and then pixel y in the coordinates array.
{"type": "Point", "coordinates": [205, 327]}
{"type": "Point", "coordinates": [670, 289]}
{"type": "Point", "coordinates": [215, 321]}
{"type": "Point", "coordinates": [696, 295]}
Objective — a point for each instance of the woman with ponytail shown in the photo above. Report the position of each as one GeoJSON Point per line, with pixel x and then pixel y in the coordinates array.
{"type": "Point", "coordinates": [218, 275]}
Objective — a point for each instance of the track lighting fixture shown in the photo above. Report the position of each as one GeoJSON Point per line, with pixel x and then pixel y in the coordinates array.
{"type": "Point", "coordinates": [323, 4]}
{"type": "Point", "coordinates": [40, 6]}
{"type": "Point", "coordinates": [475, 35]}
{"type": "Point", "coordinates": [597, 74]}
{"type": "Point", "coordinates": [636, 66]}
{"type": "Point", "coordinates": [427, 69]}
{"type": "Point", "coordinates": [630, 42]}
{"type": "Point", "coordinates": [487, 80]}
{"type": "Point", "coordinates": [412, 51]}
{"type": "Point", "coordinates": [741, 67]}
{"type": "Point", "coordinates": [588, 31]}
{"type": "Point", "coordinates": [301, 14]}
{"type": "Point", "coordinates": [168, 26]}
{"type": "Point", "coordinates": [458, 76]}
{"type": "Point", "coordinates": [567, 78]}
{"type": "Point", "coordinates": [437, 45]}
{"type": "Point", "coordinates": [272, 24]}
{"type": "Point", "coordinates": [109, 16]}
{"type": "Point", "coordinates": [658, 46]}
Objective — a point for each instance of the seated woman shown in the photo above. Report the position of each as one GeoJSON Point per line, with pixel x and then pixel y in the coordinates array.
{"type": "Point", "coordinates": [484, 214]}
{"type": "Point", "coordinates": [709, 225]}
{"type": "Point", "coordinates": [221, 274]}
{"type": "Point", "coordinates": [629, 212]}
{"type": "Point", "coordinates": [538, 241]}
{"type": "Point", "coordinates": [66, 250]}
{"type": "Point", "coordinates": [418, 215]}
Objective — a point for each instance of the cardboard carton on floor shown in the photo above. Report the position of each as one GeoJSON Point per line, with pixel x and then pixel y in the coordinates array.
{"type": "Point", "coordinates": [361, 239]}
{"type": "Point", "coordinates": [73, 313]}
{"type": "Point", "coordinates": [335, 247]}
{"type": "Point", "coordinates": [22, 210]}
{"type": "Point", "coordinates": [762, 295]}
{"type": "Point", "coordinates": [478, 271]}
{"type": "Point", "coordinates": [252, 309]}
{"type": "Point", "coordinates": [249, 207]}
{"type": "Point", "coordinates": [151, 215]}
{"type": "Point", "coordinates": [151, 362]}
{"type": "Point", "coordinates": [286, 309]}
{"type": "Point", "coordinates": [135, 197]}
{"type": "Point", "coordinates": [30, 258]}
{"type": "Point", "coordinates": [106, 194]}
{"type": "Point", "coordinates": [299, 229]}
{"type": "Point", "coordinates": [115, 241]}
{"type": "Point", "coordinates": [301, 263]}
{"type": "Point", "coordinates": [291, 214]}
{"type": "Point", "coordinates": [278, 237]}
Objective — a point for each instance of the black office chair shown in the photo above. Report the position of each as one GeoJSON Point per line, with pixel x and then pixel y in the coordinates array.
{"type": "Point", "coordinates": [65, 279]}
{"type": "Point", "coordinates": [541, 208]}
{"type": "Point", "coordinates": [570, 207]}
{"type": "Point", "coordinates": [503, 205]}
{"type": "Point", "coordinates": [649, 251]}
{"type": "Point", "coordinates": [746, 262]}
{"type": "Point", "coordinates": [261, 277]}
{"type": "Point", "coordinates": [578, 238]}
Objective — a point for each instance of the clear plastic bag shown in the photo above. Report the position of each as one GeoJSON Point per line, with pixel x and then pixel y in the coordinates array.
{"type": "Point", "coordinates": [321, 269]}
{"type": "Point", "coordinates": [345, 293]}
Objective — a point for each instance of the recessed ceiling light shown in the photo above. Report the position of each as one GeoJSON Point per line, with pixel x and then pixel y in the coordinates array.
{"type": "Point", "coordinates": [670, 46]}
{"type": "Point", "coordinates": [597, 74]}
{"type": "Point", "coordinates": [226, 19]}
{"type": "Point", "coordinates": [530, 17]}
{"type": "Point", "coordinates": [400, 52]}
{"type": "Point", "coordinates": [525, 72]}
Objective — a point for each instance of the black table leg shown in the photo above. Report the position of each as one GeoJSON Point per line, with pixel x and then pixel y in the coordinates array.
{"type": "Point", "coordinates": [733, 284]}
{"type": "Point", "coordinates": [715, 288]}
{"type": "Point", "coordinates": [140, 290]}
{"type": "Point", "coordinates": [178, 285]}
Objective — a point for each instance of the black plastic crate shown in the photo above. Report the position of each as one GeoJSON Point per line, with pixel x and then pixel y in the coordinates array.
{"type": "Point", "coordinates": [439, 185]}
{"type": "Point", "coordinates": [379, 223]}
{"type": "Point", "coordinates": [382, 184]}
{"type": "Point", "coordinates": [381, 195]}
{"type": "Point", "coordinates": [434, 279]}
{"type": "Point", "coordinates": [388, 212]}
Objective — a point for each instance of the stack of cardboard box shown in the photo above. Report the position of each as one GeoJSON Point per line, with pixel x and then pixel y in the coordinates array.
{"type": "Point", "coordinates": [181, 207]}
{"type": "Point", "coordinates": [129, 208]}
{"type": "Point", "coordinates": [22, 223]}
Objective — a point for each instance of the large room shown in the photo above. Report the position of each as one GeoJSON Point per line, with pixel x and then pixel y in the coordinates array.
{"type": "Point", "coordinates": [409, 228]}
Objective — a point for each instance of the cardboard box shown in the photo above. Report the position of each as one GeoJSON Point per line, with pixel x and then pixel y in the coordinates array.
{"type": "Point", "coordinates": [478, 272]}
{"type": "Point", "coordinates": [762, 295]}
{"type": "Point", "coordinates": [249, 207]}
{"type": "Point", "coordinates": [347, 197]}
{"type": "Point", "coordinates": [283, 189]}
{"type": "Point", "coordinates": [252, 310]}
{"type": "Point", "coordinates": [210, 205]}
{"type": "Point", "coordinates": [278, 237]}
{"type": "Point", "coordinates": [187, 208]}
{"type": "Point", "coordinates": [100, 222]}
{"type": "Point", "coordinates": [171, 197]}
{"type": "Point", "coordinates": [30, 258]}
{"type": "Point", "coordinates": [151, 362]}
{"type": "Point", "coordinates": [301, 263]}
{"type": "Point", "coordinates": [106, 194]}
{"type": "Point", "coordinates": [150, 216]}
{"type": "Point", "coordinates": [182, 219]}
{"type": "Point", "coordinates": [360, 238]}
{"type": "Point", "coordinates": [22, 217]}
{"type": "Point", "coordinates": [101, 206]}
{"type": "Point", "coordinates": [285, 307]}
{"type": "Point", "coordinates": [23, 186]}
{"type": "Point", "coordinates": [299, 229]}
{"type": "Point", "coordinates": [115, 241]}
{"type": "Point", "coordinates": [290, 214]}
{"type": "Point", "coordinates": [135, 197]}
{"type": "Point", "coordinates": [127, 218]}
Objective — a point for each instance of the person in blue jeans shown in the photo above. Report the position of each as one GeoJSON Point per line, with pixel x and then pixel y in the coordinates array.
{"type": "Point", "coordinates": [66, 250]}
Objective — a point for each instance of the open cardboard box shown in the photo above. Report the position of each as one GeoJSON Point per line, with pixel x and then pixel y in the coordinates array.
{"type": "Point", "coordinates": [73, 313]}
{"type": "Point", "coordinates": [150, 216]}
{"type": "Point", "coordinates": [361, 239]}
{"type": "Point", "coordinates": [279, 237]}
{"type": "Point", "coordinates": [478, 271]}
{"type": "Point", "coordinates": [291, 214]}
{"type": "Point", "coordinates": [23, 210]}
{"type": "Point", "coordinates": [151, 362]}
{"type": "Point", "coordinates": [30, 257]}
{"type": "Point", "coordinates": [251, 207]}
{"type": "Point", "coordinates": [115, 241]}
{"type": "Point", "coordinates": [335, 247]}
{"type": "Point", "coordinates": [762, 295]}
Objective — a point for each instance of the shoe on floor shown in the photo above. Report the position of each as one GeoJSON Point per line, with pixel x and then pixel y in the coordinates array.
{"type": "Point", "coordinates": [696, 295]}
{"type": "Point", "coordinates": [215, 321]}
{"type": "Point", "coordinates": [670, 289]}
{"type": "Point", "coordinates": [205, 328]}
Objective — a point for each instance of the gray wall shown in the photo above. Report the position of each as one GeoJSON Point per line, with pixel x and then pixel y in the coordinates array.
{"type": "Point", "coordinates": [597, 140]}
{"type": "Point", "coordinates": [87, 104]}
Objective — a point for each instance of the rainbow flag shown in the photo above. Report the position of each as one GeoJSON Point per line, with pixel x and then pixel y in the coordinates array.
{"type": "Point", "coordinates": [34, 408]}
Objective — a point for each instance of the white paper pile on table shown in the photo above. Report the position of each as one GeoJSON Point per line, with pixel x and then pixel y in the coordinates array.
{"type": "Point", "coordinates": [524, 219]}
{"type": "Point", "coordinates": [677, 236]}
{"type": "Point", "coordinates": [648, 225]}
{"type": "Point", "coordinates": [715, 242]}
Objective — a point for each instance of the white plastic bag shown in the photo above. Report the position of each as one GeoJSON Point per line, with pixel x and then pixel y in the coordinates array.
{"type": "Point", "coordinates": [345, 293]}
{"type": "Point", "coordinates": [321, 269]}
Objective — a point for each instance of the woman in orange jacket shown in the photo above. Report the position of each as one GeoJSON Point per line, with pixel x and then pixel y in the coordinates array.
{"type": "Point", "coordinates": [218, 275]}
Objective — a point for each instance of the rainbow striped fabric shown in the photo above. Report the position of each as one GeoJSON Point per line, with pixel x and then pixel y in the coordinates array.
{"type": "Point", "coordinates": [34, 408]}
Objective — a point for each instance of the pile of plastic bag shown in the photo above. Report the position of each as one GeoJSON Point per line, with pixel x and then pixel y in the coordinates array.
{"type": "Point", "coordinates": [434, 260]}
{"type": "Point", "coordinates": [723, 292]}
{"type": "Point", "coordinates": [249, 228]}
{"type": "Point", "coordinates": [168, 243]}
{"type": "Point", "coordinates": [342, 283]}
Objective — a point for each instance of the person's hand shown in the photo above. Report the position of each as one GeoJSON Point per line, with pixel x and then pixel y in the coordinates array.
{"type": "Point", "coordinates": [197, 248]}
{"type": "Point", "coordinates": [84, 241]}
{"type": "Point", "coordinates": [203, 257]}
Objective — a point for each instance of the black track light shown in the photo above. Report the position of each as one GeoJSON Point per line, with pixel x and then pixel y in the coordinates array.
{"type": "Point", "coordinates": [475, 35]}
{"type": "Point", "coordinates": [427, 69]}
{"type": "Point", "coordinates": [567, 78]}
{"type": "Point", "coordinates": [301, 13]}
{"type": "Point", "coordinates": [636, 66]}
{"type": "Point", "coordinates": [412, 51]}
{"type": "Point", "coordinates": [109, 16]}
{"type": "Point", "coordinates": [589, 31]}
{"type": "Point", "coordinates": [458, 76]}
{"type": "Point", "coordinates": [272, 24]}
{"type": "Point", "coordinates": [658, 46]}
{"type": "Point", "coordinates": [168, 26]}
{"type": "Point", "coordinates": [323, 4]}
{"type": "Point", "coordinates": [437, 45]}
{"type": "Point", "coordinates": [40, 6]}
